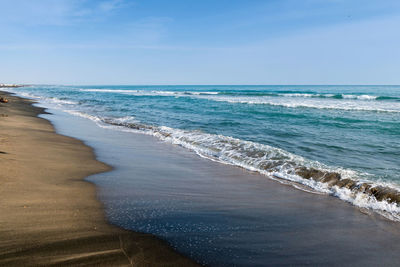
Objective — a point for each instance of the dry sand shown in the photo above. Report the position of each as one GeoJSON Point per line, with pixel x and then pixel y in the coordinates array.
{"type": "Point", "coordinates": [48, 214]}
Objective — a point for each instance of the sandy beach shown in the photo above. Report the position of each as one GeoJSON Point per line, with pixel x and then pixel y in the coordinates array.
{"type": "Point", "coordinates": [48, 214]}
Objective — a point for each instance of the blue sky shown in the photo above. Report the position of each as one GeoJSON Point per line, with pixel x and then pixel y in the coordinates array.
{"type": "Point", "coordinates": [200, 41]}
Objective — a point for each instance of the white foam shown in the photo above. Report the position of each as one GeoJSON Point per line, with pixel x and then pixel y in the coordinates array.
{"type": "Point", "coordinates": [126, 119]}
{"type": "Point", "coordinates": [301, 95]}
{"type": "Point", "coordinates": [360, 97]}
{"type": "Point", "coordinates": [150, 92]}
{"type": "Point", "coordinates": [317, 103]}
{"type": "Point", "coordinates": [61, 101]}
{"type": "Point", "coordinates": [84, 115]}
{"type": "Point", "coordinates": [203, 93]}
{"type": "Point", "coordinates": [345, 96]}
{"type": "Point", "coordinates": [48, 100]}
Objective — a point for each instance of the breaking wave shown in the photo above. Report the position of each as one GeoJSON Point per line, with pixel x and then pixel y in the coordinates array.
{"type": "Point", "coordinates": [50, 100]}
{"type": "Point", "coordinates": [349, 104]}
{"type": "Point", "coordinates": [245, 93]}
{"type": "Point", "coordinates": [275, 163]}
{"type": "Point", "coordinates": [150, 92]}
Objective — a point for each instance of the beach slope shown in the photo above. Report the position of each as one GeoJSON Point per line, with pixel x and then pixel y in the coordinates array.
{"type": "Point", "coordinates": [48, 214]}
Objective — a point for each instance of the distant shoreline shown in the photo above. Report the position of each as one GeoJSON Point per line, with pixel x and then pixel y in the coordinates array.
{"type": "Point", "coordinates": [48, 214]}
{"type": "Point", "coordinates": [5, 85]}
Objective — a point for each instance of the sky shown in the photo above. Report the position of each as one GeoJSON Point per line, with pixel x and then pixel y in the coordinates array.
{"type": "Point", "coordinates": [200, 42]}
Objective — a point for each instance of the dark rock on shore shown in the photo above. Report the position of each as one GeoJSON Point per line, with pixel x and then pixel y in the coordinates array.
{"type": "Point", "coordinates": [380, 193]}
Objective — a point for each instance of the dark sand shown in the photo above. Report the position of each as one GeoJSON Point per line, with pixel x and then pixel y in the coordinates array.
{"type": "Point", "coordinates": [48, 214]}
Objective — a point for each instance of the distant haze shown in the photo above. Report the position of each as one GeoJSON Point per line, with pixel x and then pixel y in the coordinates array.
{"type": "Point", "coordinates": [200, 42]}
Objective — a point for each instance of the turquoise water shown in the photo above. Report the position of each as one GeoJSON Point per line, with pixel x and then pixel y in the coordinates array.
{"type": "Point", "coordinates": [351, 130]}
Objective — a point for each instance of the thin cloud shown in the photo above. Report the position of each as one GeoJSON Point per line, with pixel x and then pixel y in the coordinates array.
{"type": "Point", "coordinates": [56, 12]}
{"type": "Point", "coordinates": [111, 5]}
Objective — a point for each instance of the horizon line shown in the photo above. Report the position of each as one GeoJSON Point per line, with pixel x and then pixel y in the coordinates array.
{"type": "Point", "coordinates": [193, 84]}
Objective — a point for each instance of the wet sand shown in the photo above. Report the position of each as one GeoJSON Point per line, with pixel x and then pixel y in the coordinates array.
{"type": "Point", "coordinates": [48, 214]}
{"type": "Point", "coordinates": [222, 215]}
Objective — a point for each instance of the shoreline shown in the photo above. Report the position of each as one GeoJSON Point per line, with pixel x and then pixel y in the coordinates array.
{"type": "Point", "coordinates": [224, 215]}
{"type": "Point", "coordinates": [266, 224]}
{"type": "Point", "coordinates": [49, 213]}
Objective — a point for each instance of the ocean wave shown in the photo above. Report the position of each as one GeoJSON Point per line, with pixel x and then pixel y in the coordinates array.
{"type": "Point", "coordinates": [349, 104]}
{"type": "Point", "coordinates": [306, 95]}
{"type": "Point", "coordinates": [278, 164]}
{"type": "Point", "coordinates": [261, 97]}
{"type": "Point", "coordinates": [364, 97]}
{"type": "Point", "coordinates": [361, 97]}
{"type": "Point", "coordinates": [150, 92]}
{"type": "Point", "coordinates": [313, 95]}
{"type": "Point", "coordinates": [49, 100]}
{"type": "Point", "coordinates": [126, 119]}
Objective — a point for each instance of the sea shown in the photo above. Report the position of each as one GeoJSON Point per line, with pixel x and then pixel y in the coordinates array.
{"type": "Point", "coordinates": [337, 140]}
